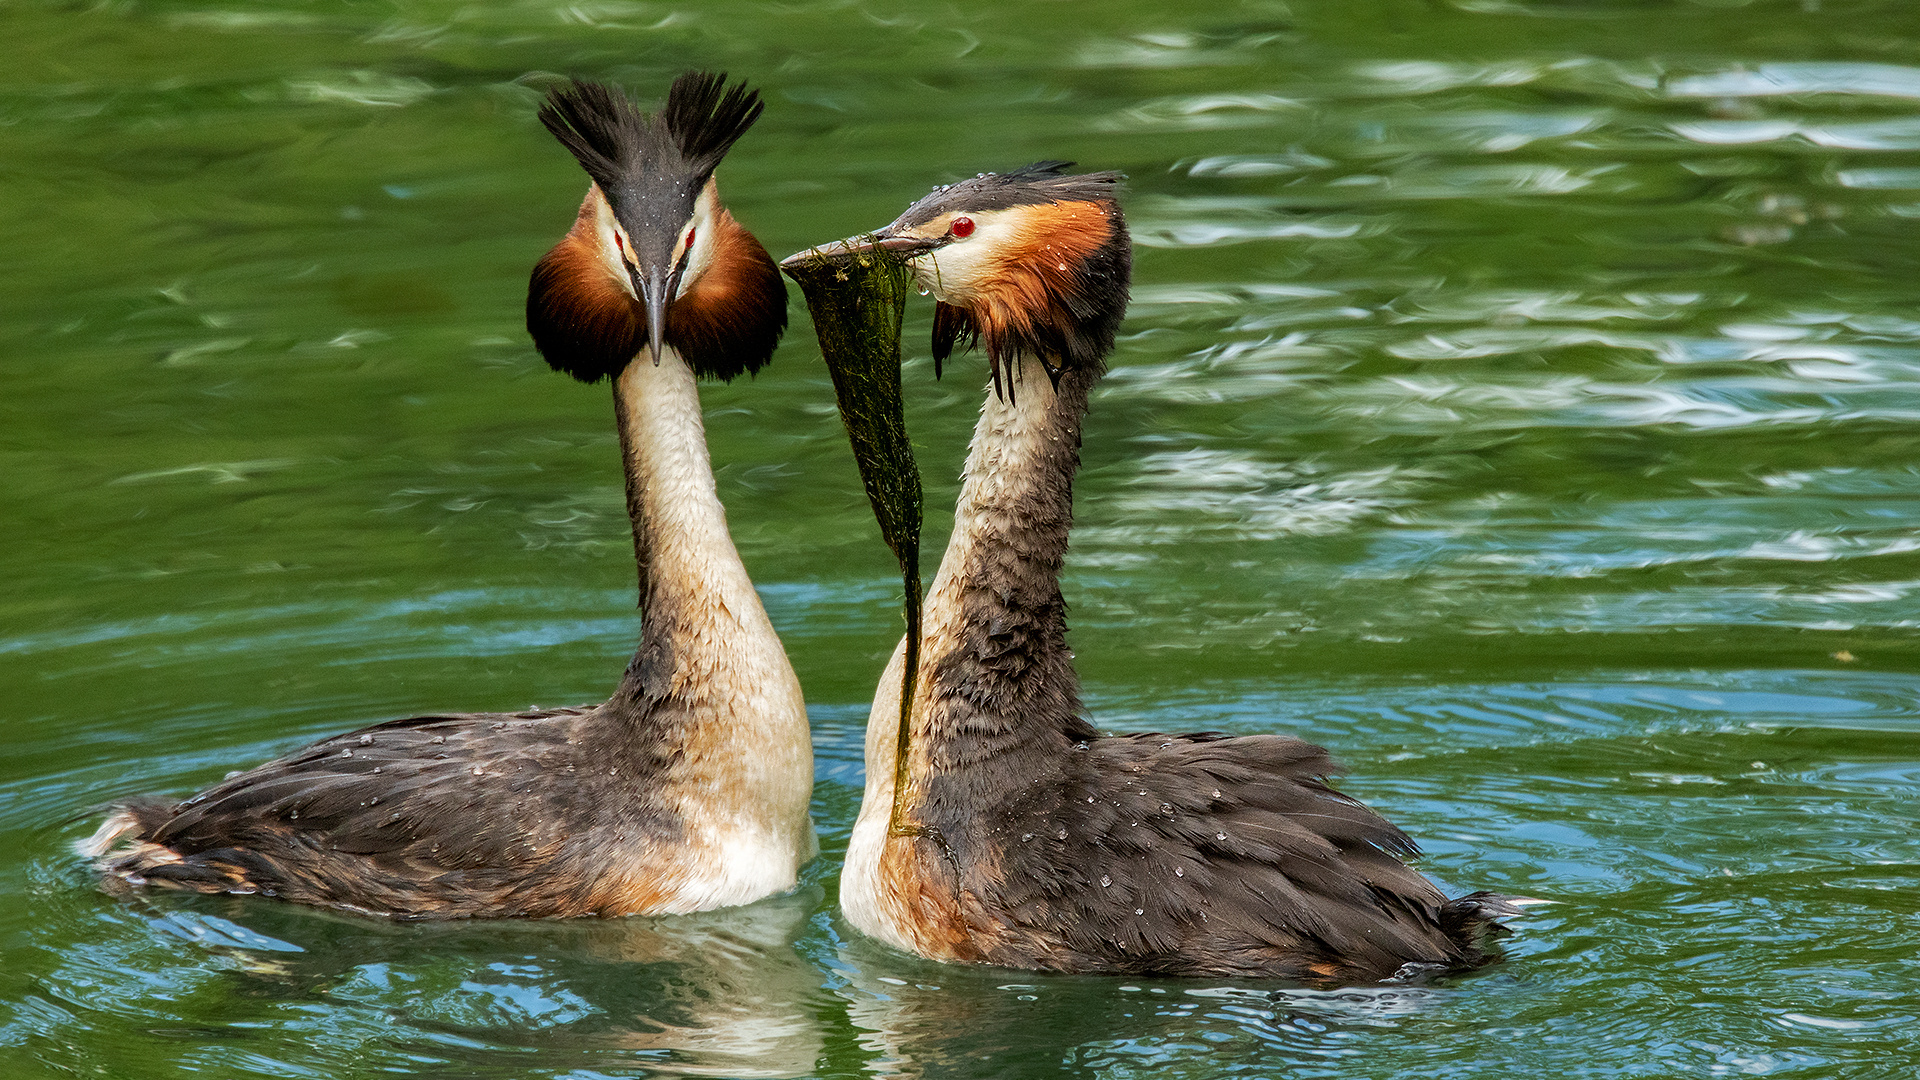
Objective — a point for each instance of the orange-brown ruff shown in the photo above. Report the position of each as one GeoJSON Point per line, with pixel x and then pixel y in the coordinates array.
{"type": "Point", "coordinates": [688, 788]}
{"type": "Point", "coordinates": [1025, 838]}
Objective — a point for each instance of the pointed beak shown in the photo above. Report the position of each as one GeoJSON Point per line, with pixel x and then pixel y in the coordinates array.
{"type": "Point", "coordinates": [906, 247]}
{"type": "Point", "coordinates": [655, 276]}
{"type": "Point", "coordinates": [655, 288]}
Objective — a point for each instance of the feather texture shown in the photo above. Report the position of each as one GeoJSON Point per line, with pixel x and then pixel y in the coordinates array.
{"type": "Point", "coordinates": [443, 816]}
{"type": "Point", "coordinates": [652, 182]}
{"type": "Point", "coordinates": [1023, 837]}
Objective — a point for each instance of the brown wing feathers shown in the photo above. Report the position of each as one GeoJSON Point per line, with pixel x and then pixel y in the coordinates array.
{"type": "Point", "coordinates": [428, 816]}
{"type": "Point", "coordinates": [1196, 854]}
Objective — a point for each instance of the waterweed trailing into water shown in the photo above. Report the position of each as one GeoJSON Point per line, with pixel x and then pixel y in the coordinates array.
{"type": "Point", "coordinates": [857, 298]}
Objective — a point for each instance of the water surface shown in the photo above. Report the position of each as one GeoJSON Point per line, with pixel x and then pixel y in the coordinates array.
{"type": "Point", "coordinates": [1521, 399]}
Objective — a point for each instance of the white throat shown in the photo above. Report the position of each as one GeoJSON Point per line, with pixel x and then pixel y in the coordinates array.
{"type": "Point", "coordinates": [1007, 435]}
{"type": "Point", "coordinates": [688, 546]}
{"type": "Point", "coordinates": [744, 776]}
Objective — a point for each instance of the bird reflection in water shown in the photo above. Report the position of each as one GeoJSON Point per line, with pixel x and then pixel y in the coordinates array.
{"type": "Point", "coordinates": [715, 993]}
{"type": "Point", "coordinates": [920, 1020]}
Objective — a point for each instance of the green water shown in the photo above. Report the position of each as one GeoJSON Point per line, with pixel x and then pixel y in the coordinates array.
{"type": "Point", "coordinates": [1521, 399]}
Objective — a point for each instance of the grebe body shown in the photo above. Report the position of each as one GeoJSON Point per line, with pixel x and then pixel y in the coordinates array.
{"type": "Point", "coordinates": [1024, 837]}
{"type": "Point", "coordinates": [689, 788]}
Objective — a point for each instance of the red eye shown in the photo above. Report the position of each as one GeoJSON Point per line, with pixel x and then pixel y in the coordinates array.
{"type": "Point", "coordinates": [961, 227]}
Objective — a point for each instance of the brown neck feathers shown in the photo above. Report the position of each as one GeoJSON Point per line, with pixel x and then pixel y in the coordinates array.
{"type": "Point", "coordinates": [586, 321]}
{"type": "Point", "coordinates": [729, 320]}
{"type": "Point", "coordinates": [581, 317]}
{"type": "Point", "coordinates": [998, 675]}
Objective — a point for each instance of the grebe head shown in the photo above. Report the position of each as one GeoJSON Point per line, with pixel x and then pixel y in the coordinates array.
{"type": "Point", "coordinates": [654, 259]}
{"type": "Point", "coordinates": [1035, 261]}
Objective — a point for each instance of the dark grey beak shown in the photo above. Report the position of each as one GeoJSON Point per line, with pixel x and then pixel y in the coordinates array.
{"type": "Point", "coordinates": [655, 289]}
{"type": "Point", "coordinates": [655, 277]}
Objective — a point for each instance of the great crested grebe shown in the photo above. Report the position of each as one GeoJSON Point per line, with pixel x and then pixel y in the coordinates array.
{"type": "Point", "coordinates": [1024, 838]}
{"type": "Point", "coordinates": [689, 788]}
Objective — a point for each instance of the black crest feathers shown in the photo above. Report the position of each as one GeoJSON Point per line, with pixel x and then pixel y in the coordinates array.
{"type": "Point", "coordinates": [705, 117]}
{"type": "Point", "coordinates": [598, 126]}
{"type": "Point", "coordinates": [619, 146]}
{"type": "Point", "coordinates": [1029, 185]}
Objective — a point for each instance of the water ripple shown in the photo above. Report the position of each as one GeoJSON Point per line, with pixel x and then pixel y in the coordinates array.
{"type": "Point", "coordinates": [1805, 77]}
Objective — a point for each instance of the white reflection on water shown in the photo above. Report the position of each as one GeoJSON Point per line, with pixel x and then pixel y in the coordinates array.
{"type": "Point", "coordinates": [918, 1019]}
{"type": "Point", "coordinates": [1237, 165]}
{"type": "Point", "coordinates": [1505, 305]}
{"type": "Point", "coordinates": [1495, 132]}
{"type": "Point", "coordinates": [1417, 401]}
{"type": "Point", "coordinates": [1373, 1005]}
{"type": "Point", "coordinates": [1238, 371]}
{"type": "Point", "coordinates": [1422, 181]}
{"type": "Point", "coordinates": [362, 88]}
{"type": "Point", "coordinates": [1171, 49]}
{"type": "Point", "coordinates": [1186, 495]}
{"type": "Point", "coordinates": [1900, 134]}
{"type": "Point", "coordinates": [1490, 341]}
{"type": "Point", "coordinates": [714, 994]}
{"type": "Point", "coordinates": [1155, 234]}
{"type": "Point", "coordinates": [1582, 73]}
{"type": "Point", "coordinates": [1207, 296]}
{"type": "Point", "coordinates": [1206, 112]}
{"type": "Point", "coordinates": [1806, 77]}
{"type": "Point", "coordinates": [1896, 178]}
{"type": "Point", "coordinates": [215, 472]}
{"type": "Point", "coordinates": [1431, 76]}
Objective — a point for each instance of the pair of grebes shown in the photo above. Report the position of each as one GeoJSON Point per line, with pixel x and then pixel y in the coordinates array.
{"type": "Point", "coordinates": [1020, 836]}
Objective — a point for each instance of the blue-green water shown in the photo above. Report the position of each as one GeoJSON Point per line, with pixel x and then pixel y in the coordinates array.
{"type": "Point", "coordinates": [1521, 399]}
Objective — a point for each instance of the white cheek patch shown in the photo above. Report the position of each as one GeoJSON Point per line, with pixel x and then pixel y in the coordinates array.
{"type": "Point", "coordinates": [957, 273]}
{"type": "Point", "coordinates": [706, 214]}
{"type": "Point", "coordinates": [610, 256]}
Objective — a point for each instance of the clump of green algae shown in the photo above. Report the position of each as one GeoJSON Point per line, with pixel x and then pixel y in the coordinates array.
{"type": "Point", "coordinates": [857, 296]}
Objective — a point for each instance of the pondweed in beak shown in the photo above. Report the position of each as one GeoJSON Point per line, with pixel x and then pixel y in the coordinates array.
{"type": "Point", "coordinates": [856, 296]}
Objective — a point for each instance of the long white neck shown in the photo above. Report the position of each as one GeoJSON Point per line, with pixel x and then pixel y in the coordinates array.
{"type": "Point", "coordinates": [710, 681]}
{"type": "Point", "coordinates": [996, 681]}
{"type": "Point", "coordinates": [695, 594]}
